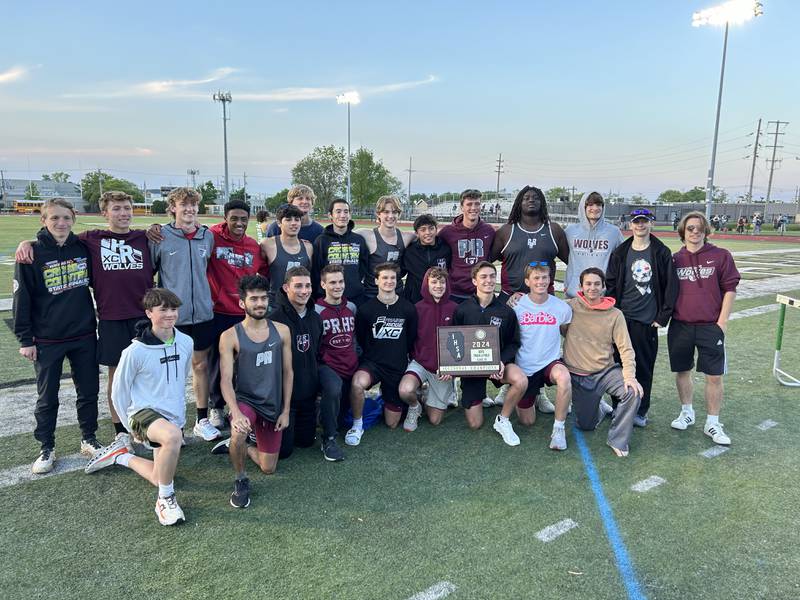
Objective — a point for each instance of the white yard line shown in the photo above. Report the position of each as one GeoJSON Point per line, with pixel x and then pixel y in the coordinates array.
{"type": "Point", "coordinates": [22, 473]}
{"type": "Point", "coordinates": [548, 534]}
{"type": "Point", "coordinates": [645, 485]}
{"type": "Point", "coordinates": [714, 451]}
{"type": "Point", "coordinates": [435, 592]}
{"type": "Point", "coordinates": [768, 424]}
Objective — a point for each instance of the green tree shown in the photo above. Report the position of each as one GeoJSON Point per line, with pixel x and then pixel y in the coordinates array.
{"type": "Point", "coordinates": [370, 179]}
{"type": "Point", "coordinates": [670, 196]}
{"type": "Point", "coordinates": [158, 207]}
{"type": "Point", "coordinates": [638, 199]}
{"type": "Point", "coordinates": [556, 194]}
{"type": "Point", "coordinates": [720, 195]}
{"type": "Point", "coordinates": [273, 203]}
{"type": "Point", "coordinates": [696, 194]}
{"type": "Point", "coordinates": [324, 171]}
{"type": "Point", "coordinates": [240, 195]}
{"type": "Point", "coordinates": [32, 192]}
{"type": "Point", "coordinates": [58, 177]}
{"type": "Point", "coordinates": [210, 195]}
{"type": "Point", "coordinates": [94, 181]}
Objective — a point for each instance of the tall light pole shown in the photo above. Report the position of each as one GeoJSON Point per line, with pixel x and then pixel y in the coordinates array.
{"type": "Point", "coordinates": [225, 98]}
{"type": "Point", "coordinates": [733, 12]}
{"type": "Point", "coordinates": [348, 98]}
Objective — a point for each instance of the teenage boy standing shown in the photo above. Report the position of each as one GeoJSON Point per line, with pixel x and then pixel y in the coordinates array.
{"type": "Point", "coordinates": [303, 198]}
{"type": "Point", "coordinates": [286, 250]}
{"type": "Point", "coordinates": [427, 251]}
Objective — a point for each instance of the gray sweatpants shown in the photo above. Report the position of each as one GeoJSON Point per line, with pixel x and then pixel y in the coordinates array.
{"type": "Point", "coordinates": [588, 390]}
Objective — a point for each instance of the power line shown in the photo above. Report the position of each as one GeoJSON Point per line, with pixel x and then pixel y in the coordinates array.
{"type": "Point", "coordinates": [755, 157]}
{"type": "Point", "coordinates": [774, 147]}
{"type": "Point", "coordinates": [499, 171]}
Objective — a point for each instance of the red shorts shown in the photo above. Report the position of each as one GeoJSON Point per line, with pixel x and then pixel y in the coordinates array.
{"type": "Point", "coordinates": [535, 383]}
{"type": "Point", "coordinates": [267, 439]}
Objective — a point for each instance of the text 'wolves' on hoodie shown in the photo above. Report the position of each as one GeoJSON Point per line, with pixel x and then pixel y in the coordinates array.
{"type": "Point", "coordinates": [589, 246]}
{"type": "Point", "coordinates": [704, 277]}
{"type": "Point", "coordinates": [152, 374]}
{"type": "Point", "coordinates": [430, 316]}
{"type": "Point", "coordinates": [305, 332]}
{"type": "Point", "coordinates": [348, 249]}
{"type": "Point", "coordinates": [52, 302]}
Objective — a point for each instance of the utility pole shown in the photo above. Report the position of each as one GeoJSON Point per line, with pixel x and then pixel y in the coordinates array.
{"type": "Point", "coordinates": [225, 98]}
{"type": "Point", "coordinates": [100, 180]}
{"type": "Point", "coordinates": [753, 166]}
{"type": "Point", "coordinates": [193, 173]}
{"type": "Point", "coordinates": [410, 171]}
{"type": "Point", "coordinates": [774, 147]}
{"type": "Point", "coordinates": [244, 187]}
{"type": "Point", "coordinates": [498, 171]}
{"type": "Point", "coordinates": [572, 194]}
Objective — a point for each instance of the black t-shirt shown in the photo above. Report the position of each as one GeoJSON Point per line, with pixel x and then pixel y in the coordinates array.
{"type": "Point", "coordinates": [639, 299]}
{"type": "Point", "coordinates": [386, 333]}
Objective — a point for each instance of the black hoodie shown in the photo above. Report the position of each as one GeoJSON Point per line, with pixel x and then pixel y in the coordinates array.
{"type": "Point", "coordinates": [52, 302]}
{"type": "Point", "coordinates": [470, 312]}
{"type": "Point", "coordinates": [349, 250]}
{"type": "Point", "coordinates": [306, 333]}
{"type": "Point", "coordinates": [417, 259]}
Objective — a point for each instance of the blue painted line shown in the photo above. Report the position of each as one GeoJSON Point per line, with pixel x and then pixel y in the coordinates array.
{"type": "Point", "coordinates": [624, 564]}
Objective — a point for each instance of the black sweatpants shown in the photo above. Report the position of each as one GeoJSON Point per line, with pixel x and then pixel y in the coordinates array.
{"type": "Point", "coordinates": [82, 355]}
{"type": "Point", "coordinates": [644, 339]}
{"type": "Point", "coordinates": [301, 431]}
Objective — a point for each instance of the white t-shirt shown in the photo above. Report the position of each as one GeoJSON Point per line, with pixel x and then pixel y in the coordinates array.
{"type": "Point", "coordinates": [539, 332]}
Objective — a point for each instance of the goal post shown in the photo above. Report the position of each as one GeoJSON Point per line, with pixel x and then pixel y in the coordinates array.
{"type": "Point", "coordinates": [782, 376]}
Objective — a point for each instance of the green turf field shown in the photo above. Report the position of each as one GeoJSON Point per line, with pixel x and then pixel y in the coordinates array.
{"type": "Point", "coordinates": [405, 512]}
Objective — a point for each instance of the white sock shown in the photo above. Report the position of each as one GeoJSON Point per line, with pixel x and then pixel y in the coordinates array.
{"type": "Point", "coordinates": [358, 423]}
{"type": "Point", "coordinates": [123, 459]}
{"type": "Point", "coordinates": [165, 491]}
{"type": "Point", "coordinates": [712, 420]}
{"type": "Point", "coordinates": [688, 408]}
{"type": "Point", "coordinates": [558, 424]}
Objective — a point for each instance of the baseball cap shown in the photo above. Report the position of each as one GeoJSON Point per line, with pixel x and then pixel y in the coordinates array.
{"type": "Point", "coordinates": [642, 213]}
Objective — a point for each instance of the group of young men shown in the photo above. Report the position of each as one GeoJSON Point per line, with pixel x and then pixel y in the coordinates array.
{"type": "Point", "coordinates": [283, 335]}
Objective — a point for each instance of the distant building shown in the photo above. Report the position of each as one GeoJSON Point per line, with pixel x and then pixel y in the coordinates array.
{"type": "Point", "coordinates": [14, 190]}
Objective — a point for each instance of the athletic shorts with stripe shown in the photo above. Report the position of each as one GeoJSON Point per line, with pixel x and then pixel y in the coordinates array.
{"type": "Point", "coordinates": [439, 392]}
{"type": "Point", "coordinates": [708, 339]}
{"type": "Point", "coordinates": [536, 382]}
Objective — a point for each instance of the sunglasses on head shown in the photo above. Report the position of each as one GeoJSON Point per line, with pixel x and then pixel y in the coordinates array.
{"type": "Point", "coordinates": [539, 263]}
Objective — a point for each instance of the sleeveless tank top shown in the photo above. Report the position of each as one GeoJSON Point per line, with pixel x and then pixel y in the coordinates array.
{"type": "Point", "coordinates": [384, 252]}
{"type": "Point", "coordinates": [522, 248]}
{"type": "Point", "coordinates": [282, 263]}
{"type": "Point", "coordinates": [259, 372]}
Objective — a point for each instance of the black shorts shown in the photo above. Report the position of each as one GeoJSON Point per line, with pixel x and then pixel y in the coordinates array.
{"type": "Point", "coordinates": [683, 338]}
{"type": "Point", "coordinates": [113, 338]}
{"type": "Point", "coordinates": [202, 334]}
{"type": "Point", "coordinates": [473, 390]}
{"type": "Point", "coordinates": [390, 384]}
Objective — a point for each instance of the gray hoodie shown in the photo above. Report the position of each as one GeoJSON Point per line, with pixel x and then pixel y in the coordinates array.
{"type": "Point", "coordinates": [588, 246]}
{"type": "Point", "coordinates": [181, 264]}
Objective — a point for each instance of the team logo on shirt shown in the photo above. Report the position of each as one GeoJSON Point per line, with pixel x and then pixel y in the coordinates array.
{"type": "Point", "coordinates": [387, 328]}
{"type": "Point", "coordinates": [441, 263]}
{"type": "Point", "coordinates": [471, 250]}
{"type": "Point", "coordinates": [230, 256]}
{"type": "Point", "coordinates": [116, 255]}
{"type": "Point", "coordinates": [60, 276]}
{"type": "Point", "coordinates": [264, 358]}
{"type": "Point", "coordinates": [496, 321]}
{"type": "Point", "coordinates": [531, 242]}
{"type": "Point", "coordinates": [693, 274]}
{"type": "Point", "coordinates": [590, 245]}
{"type": "Point", "coordinates": [303, 342]}
{"type": "Point", "coordinates": [393, 256]}
{"type": "Point", "coordinates": [344, 254]}
{"type": "Point", "coordinates": [540, 318]}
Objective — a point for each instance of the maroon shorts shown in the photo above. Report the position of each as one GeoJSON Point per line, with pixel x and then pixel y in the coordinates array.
{"type": "Point", "coordinates": [267, 439]}
{"type": "Point", "coordinates": [535, 383]}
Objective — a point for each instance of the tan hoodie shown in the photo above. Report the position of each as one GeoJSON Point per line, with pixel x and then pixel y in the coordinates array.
{"type": "Point", "coordinates": [589, 344]}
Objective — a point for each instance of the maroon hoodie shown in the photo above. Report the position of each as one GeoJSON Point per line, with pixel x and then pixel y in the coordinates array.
{"type": "Point", "coordinates": [337, 348]}
{"type": "Point", "coordinates": [469, 247]}
{"type": "Point", "coordinates": [704, 276]}
{"type": "Point", "coordinates": [430, 315]}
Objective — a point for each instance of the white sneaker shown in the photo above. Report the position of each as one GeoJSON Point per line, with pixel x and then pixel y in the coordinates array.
{"type": "Point", "coordinates": [452, 402]}
{"type": "Point", "coordinates": [717, 434]}
{"type": "Point", "coordinates": [504, 428]}
{"type": "Point", "coordinates": [124, 439]}
{"type": "Point", "coordinates": [683, 421]}
{"type": "Point", "coordinates": [558, 439]}
{"type": "Point", "coordinates": [543, 404]}
{"type": "Point", "coordinates": [204, 429]}
{"type": "Point", "coordinates": [412, 416]}
{"type": "Point", "coordinates": [353, 437]}
{"type": "Point", "coordinates": [107, 456]}
{"type": "Point", "coordinates": [90, 447]}
{"type": "Point", "coordinates": [216, 417]}
{"type": "Point", "coordinates": [487, 402]}
{"type": "Point", "coordinates": [44, 463]}
{"type": "Point", "coordinates": [168, 511]}
{"type": "Point", "coordinates": [500, 398]}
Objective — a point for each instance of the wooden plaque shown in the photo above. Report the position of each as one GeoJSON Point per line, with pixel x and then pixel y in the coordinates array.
{"type": "Point", "coordinates": [469, 350]}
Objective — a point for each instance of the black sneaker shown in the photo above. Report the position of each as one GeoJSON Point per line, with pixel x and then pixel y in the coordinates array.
{"type": "Point", "coordinates": [331, 451]}
{"type": "Point", "coordinates": [240, 498]}
{"type": "Point", "coordinates": [223, 447]}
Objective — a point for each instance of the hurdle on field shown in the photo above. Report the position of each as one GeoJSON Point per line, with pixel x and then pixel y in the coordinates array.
{"type": "Point", "coordinates": [782, 376]}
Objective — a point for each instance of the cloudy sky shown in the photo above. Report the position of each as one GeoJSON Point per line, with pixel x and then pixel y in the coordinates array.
{"type": "Point", "coordinates": [611, 96]}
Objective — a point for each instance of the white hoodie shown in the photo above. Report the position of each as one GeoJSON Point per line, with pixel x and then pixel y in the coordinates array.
{"type": "Point", "coordinates": [152, 374]}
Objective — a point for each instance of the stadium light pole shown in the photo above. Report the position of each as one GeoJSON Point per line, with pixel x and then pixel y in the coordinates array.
{"type": "Point", "coordinates": [225, 98]}
{"type": "Point", "coordinates": [733, 12]}
{"type": "Point", "coordinates": [348, 98]}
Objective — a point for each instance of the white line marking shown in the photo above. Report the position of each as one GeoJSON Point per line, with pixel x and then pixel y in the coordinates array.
{"type": "Point", "coordinates": [548, 534]}
{"type": "Point", "coordinates": [645, 485]}
{"type": "Point", "coordinates": [768, 424]}
{"type": "Point", "coordinates": [66, 464]}
{"type": "Point", "coordinates": [436, 591]}
{"type": "Point", "coordinates": [714, 451]}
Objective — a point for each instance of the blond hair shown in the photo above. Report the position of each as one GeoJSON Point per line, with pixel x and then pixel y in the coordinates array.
{"type": "Point", "coordinates": [300, 191]}
{"type": "Point", "coordinates": [47, 204]}
{"type": "Point", "coordinates": [114, 196]}
{"type": "Point", "coordinates": [183, 193]}
{"type": "Point", "coordinates": [384, 200]}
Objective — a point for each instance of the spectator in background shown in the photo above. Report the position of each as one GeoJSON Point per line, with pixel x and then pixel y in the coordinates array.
{"type": "Point", "coordinates": [303, 198]}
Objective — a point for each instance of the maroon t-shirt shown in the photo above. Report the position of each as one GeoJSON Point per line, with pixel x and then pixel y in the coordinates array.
{"type": "Point", "coordinates": [121, 272]}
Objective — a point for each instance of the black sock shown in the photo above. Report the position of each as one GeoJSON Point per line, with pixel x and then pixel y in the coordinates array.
{"type": "Point", "coordinates": [119, 428]}
{"type": "Point", "coordinates": [202, 413]}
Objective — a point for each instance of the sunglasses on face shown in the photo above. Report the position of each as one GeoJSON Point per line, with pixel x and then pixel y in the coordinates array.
{"type": "Point", "coordinates": [694, 228]}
